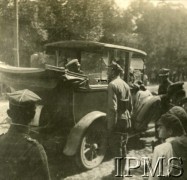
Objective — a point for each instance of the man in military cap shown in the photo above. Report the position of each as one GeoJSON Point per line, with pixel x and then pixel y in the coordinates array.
{"type": "Point", "coordinates": [119, 108]}
{"type": "Point", "coordinates": [22, 157]}
{"type": "Point", "coordinates": [119, 97]}
{"type": "Point", "coordinates": [74, 66]}
{"type": "Point", "coordinates": [176, 93]}
{"type": "Point", "coordinates": [179, 145]}
{"type": "Point", "coordinates": [164, 81]}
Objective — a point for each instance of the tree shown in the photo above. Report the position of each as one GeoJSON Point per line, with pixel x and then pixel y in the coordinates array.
{"type": "Point", "coordinates": [159, 30]}
{"type": "Point", "coordinates": [71, 19]}
{"type": "Point", "coordinates": [162, 31]}
{"type": "Point", "coordinates": [6, 31]}
{"type": "Point", "coordinates": [49, 20]}
{"type": "Point", "coordinates": [31, 29]}
{"type": "Point", "coordinates": [118, 25]}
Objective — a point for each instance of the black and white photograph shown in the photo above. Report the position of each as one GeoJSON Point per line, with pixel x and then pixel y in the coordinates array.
{"type": "Point", "coordinates": [93, 89]}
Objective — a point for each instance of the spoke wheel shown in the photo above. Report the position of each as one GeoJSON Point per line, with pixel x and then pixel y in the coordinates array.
{"type": "Point", "coordinates": [92, 147]}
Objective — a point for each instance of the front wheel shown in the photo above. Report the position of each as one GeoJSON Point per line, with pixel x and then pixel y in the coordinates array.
{"type": "Point", "coordinates": [92, 147]}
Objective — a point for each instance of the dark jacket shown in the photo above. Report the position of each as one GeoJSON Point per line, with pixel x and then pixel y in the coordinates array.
{"type": "Point", "coordinates": [179, 146]}
{"type": "Point", "coordinates": [21, 157]}
{"type": "Point", "coordinates": [162, 89]}
{"type": "Point", "coordinates": [119, 102]}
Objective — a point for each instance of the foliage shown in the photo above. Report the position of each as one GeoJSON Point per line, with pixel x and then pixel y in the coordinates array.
{"type": "Point", "coordinates": [50, 20]}
{"type": "Point", "coordinates": [159, 30]}
{"type": "Point", "coordinates": [117, 25]}
{"type": "Point", "coordinates": [162, 32]}
{"type": "Point", "coordinates": [31, 32]}
{"type": "Point", "coordinates": [69, 19]}
{"type": "Point", "coordinates": [6, 31]}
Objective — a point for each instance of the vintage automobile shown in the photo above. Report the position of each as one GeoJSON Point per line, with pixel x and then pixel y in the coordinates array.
{"type": "Point", "coordinates": [74, 105]}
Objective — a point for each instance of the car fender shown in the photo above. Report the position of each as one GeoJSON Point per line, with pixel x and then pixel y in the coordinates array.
{"type": "Point", "coordinates": [78, 130]}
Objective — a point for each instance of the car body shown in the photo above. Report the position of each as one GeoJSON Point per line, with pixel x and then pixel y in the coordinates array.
{"type": "Point", "coordinates": [73, 105]}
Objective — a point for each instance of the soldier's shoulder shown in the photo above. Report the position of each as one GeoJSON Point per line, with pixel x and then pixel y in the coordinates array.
{"type": "Point", "coordinates": [2, 137]}
{"type": "Point", "coordinates": [111, 84]}
{"type": "Point", "coordinates": [34, 144]}
{"type": "Point", "coordinates": [116, 81]}
{"type": "Point", "coordinates": [31, 140]}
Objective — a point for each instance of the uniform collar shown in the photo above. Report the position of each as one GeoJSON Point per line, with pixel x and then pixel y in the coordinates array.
{"type": "Point", "coordinates": [18, 129]}
{"type": "Point", "coordinates": [117, 77]}
{"type": "Point", "coordinates": [171, 139]}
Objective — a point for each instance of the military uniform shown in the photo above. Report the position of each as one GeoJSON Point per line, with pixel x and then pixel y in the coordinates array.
{"type": "Point", "coordinates": [119, 104]}
{"type": "Point", "coordinates": [164, 86]}
{"type": "Point", "coordinates": [118, 116]}
{"type": "Point", "coordinates": [179, 145]}
{"type": "Point", "coordinates": [164, 73]}
{"type": "Point", "coordinates": [21, 157]}
{"type": "Point", "coordinates": [74, 66]}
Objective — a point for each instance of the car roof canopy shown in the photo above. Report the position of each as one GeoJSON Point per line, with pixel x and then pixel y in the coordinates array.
{"type": "Point", "coordinates": [92, 44]}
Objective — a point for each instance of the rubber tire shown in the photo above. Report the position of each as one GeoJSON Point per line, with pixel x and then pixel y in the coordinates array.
{"type": "Point", "coordinates": [99, 132]}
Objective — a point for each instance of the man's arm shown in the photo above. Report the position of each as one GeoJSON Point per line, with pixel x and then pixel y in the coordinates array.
{"type": "Point", "coordinates": [156, 155]}
{"type": "Point", "coordinates": [161, 151]}
{"type": "Point", "coordinates": [130, 108]}
{"type": "Point", "coordinates": [39, 163]}
{"type": "Point", "coordinates": [112, 107]}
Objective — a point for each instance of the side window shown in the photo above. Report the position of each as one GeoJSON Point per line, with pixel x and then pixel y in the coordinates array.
{"type": "Point", "coordinates": [51, 60]}
{"type": "Point", "coordinates": [137, 64]}
{"type": "Point", "coordinates": [51, 57]}
{"type": "Point", "coordinates": [94, 64]}
{"type": "Point", "coordinates": [62, 60]}
{"type": "Point", "coordinates": [120, 58]}
{"type": "Point", "coordinates": [66, 55]}
{"type": "Point", "coordinates": [38, 60]}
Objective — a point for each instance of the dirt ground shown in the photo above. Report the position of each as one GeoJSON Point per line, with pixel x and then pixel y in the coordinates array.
{"type": "Point", "coordinates": [104, 171]}
{"type": "Point", "coordinates": [64, 168]}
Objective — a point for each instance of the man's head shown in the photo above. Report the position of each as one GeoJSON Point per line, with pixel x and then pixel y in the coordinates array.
{"type": "Point", "coordinates": [22, 106]}
{"type": "Point", "coordinates": [163, 74]}
{"type": "Point", "coordinates": [73, 65]}
{"type": "Point", "coordinates": [181, 114]}
{"type": "Point", "coordinates": [169, 125]}
{"type": "Point", "coordinates": [176, 92]}
{"type": "Point", "coordinates": [114, 70]}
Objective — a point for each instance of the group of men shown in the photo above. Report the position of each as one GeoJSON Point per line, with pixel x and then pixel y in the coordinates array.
{"type": "Point", "coordinates": [24, 158]}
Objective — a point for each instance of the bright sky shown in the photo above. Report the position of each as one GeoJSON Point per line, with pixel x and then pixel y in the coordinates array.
{"type": "Point", "coordinates": [125, 3]}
